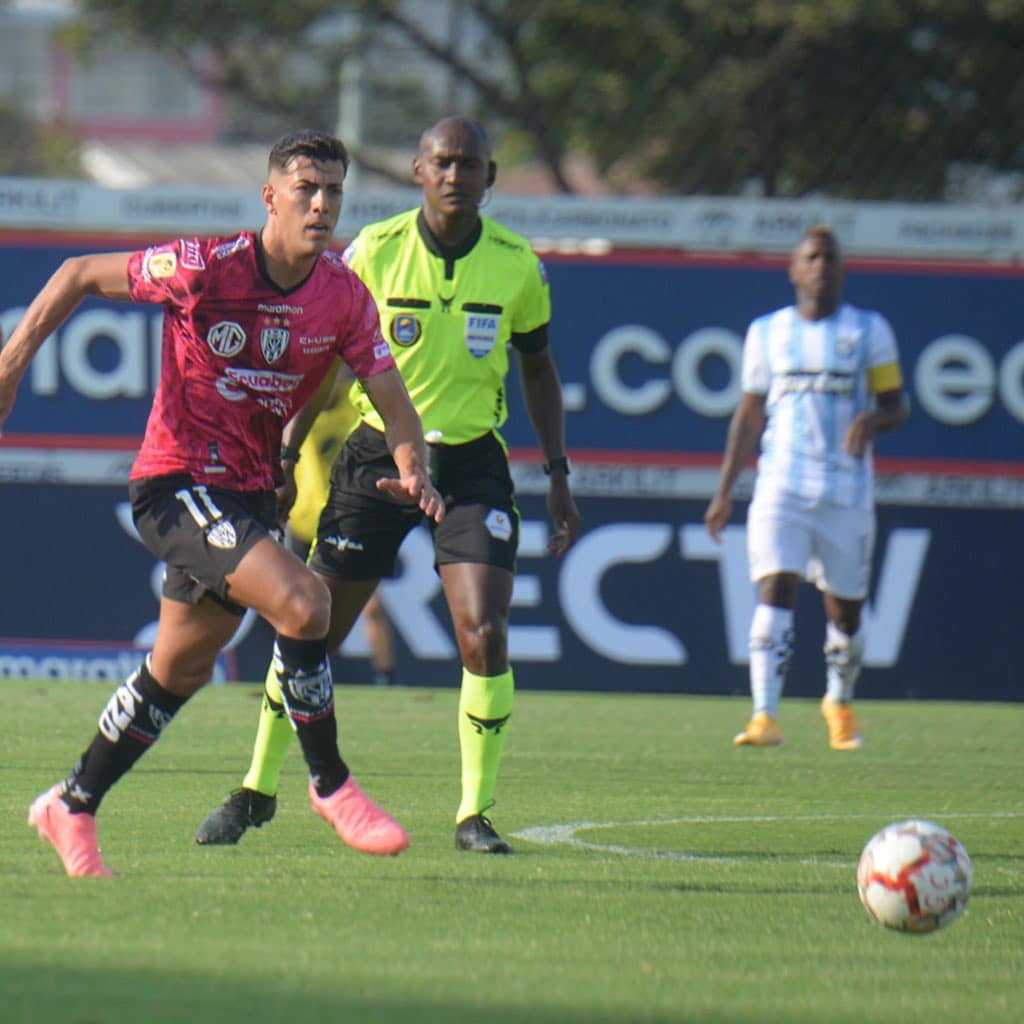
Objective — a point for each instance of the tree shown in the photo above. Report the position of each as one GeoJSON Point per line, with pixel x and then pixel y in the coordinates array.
{"type": "Point", "coordinates": [850, 98]}
{"type": "Point", "coordinates": [35, 150]}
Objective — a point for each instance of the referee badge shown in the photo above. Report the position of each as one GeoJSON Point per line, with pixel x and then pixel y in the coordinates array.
{"type": "Point", "coordinates": [406, 329]}
{"type": "Point", "coordinates": [481, 333]}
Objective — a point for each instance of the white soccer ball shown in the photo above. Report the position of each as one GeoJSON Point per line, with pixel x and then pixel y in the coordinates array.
{"type": "Point", "coordinates": [914, 876]}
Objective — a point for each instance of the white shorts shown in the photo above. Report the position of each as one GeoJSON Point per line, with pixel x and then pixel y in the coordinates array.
{"type": "Point", "coordinates": [828, 545]}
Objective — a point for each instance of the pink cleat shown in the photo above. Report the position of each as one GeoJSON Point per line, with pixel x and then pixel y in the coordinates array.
{"type": "Point", "coordinates": [359, 821]}
{"type": "Point", "coordinates": [73, 836]}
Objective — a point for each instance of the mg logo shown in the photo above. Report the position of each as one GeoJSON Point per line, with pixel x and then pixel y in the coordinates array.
{"type": "Point", "coordinates": [226, 338]}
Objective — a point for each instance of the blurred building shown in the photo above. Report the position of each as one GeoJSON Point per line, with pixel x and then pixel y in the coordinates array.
{"type": "Point", "coordinates": [115, 93]}
{"type": "Point", "coordinates": [142, 120]}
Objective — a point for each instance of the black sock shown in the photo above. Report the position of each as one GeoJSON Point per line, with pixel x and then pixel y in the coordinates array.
{"type": "Point", "coordinates": [304, 671]}
{"type": "Point", "coordinates": [129, 725]}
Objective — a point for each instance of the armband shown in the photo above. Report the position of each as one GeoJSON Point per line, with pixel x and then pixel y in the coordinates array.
{"type": "Point", "coordinates": [289, 454]}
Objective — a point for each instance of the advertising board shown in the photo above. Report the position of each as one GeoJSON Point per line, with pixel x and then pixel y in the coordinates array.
{"type": "Point", "coordinates": [648, 344]}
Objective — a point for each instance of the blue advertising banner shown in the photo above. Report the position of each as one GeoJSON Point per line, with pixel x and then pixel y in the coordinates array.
{"type": "Point", "coordinates": [645, 601]}
{"type": "Point", "coordinates": [648, 345]}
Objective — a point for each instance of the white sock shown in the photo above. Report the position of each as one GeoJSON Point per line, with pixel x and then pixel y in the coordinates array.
{"type": "Point", "coordinates": [843, 658]}
{"type": "Point", "coordinates": [771, 647]}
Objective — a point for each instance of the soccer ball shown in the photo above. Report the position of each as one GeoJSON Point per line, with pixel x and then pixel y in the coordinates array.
{"type": "Point", "coordinates": [914, 876]}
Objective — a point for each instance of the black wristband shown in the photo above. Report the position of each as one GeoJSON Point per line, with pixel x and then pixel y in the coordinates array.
{"type": "Point", "coordinates": [289, 454]}
{"type": "Point", "coordinates": [560, 463]}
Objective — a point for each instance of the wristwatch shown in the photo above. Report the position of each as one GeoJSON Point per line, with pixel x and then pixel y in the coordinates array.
{"type": "Point", "coordinates": [561, 462]}
{"type": "Point", "coordinates": [289, 454]}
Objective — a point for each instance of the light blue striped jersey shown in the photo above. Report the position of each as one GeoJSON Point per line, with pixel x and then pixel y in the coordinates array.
{"type": "Point", "coordinates": [815, 375]}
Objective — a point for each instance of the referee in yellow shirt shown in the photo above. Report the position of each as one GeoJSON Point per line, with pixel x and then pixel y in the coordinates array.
{"type": "Point", "coordinates": [455, 291]}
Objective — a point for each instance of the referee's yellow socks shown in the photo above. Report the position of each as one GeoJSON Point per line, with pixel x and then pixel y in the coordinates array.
{"type": "Point", "coordinates": [485, 703]}
{"type": "Point", "coordinates": [273, 737]}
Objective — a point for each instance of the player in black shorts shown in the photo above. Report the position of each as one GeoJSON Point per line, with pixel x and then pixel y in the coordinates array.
{"type": "Point", "coordinates": [456, 291]}
{"type": "Point", "coordinates": [233, 372]}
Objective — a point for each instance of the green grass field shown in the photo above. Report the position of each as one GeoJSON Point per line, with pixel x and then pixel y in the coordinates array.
{"type": "Point", "coordinates": [659, 874]}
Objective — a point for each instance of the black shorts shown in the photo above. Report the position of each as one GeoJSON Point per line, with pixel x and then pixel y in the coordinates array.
{"type": "Point", "coordinates": [361, 528]}
{"type": "Point", "coordinates": [201, 532]}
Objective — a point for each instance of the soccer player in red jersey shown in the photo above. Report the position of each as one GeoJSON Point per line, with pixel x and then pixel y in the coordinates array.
{"type": "Point", "coordinates": [252, 325]}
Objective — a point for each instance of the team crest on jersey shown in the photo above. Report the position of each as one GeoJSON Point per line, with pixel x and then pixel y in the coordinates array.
{"type": "Point", "coordinates": [481, 334]}
{"type": "Point", "coordinates": [406, 329]}
{"type": "Point", "coordinates": [226, 338]}
{"type": "Point", "coordinates": [846, 345]}
{"type": "Point", "coordinates": [274, 342]}
{"type": "Point", "coordinates": [222, 535]}
{"type": "Point", "coordinates": [160, 264]}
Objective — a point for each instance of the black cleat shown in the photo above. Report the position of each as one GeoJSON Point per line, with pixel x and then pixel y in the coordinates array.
{"type": "Point", "coordinates": [227, 824]}
{"type": "Point", "coordinates": [476, 833]}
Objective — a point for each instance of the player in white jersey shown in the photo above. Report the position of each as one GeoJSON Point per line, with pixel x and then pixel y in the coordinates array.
{"type": "Point", "coordinates": [820, 379]}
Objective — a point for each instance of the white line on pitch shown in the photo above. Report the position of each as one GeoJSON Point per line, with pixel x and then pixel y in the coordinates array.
{"type": "Point", "coordinates": [565, 835]}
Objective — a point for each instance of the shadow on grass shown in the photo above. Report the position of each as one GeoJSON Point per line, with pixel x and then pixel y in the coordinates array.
{"type": "Point", "coordinates": [61, 994]}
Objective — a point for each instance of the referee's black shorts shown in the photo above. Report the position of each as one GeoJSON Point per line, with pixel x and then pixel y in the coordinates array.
{"type": "Point", "coordinates": [361, 528]}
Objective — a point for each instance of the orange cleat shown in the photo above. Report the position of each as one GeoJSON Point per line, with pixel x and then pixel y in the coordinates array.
{"type": "Point", "coordinates": [843, 731]}
{"type": "Point", "coordinates": [761, 731]}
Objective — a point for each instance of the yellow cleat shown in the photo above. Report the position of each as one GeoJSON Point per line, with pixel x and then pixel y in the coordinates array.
{"type": "Point", "coordinates": [843, 731]}
{"type": "Point", "coordinates": [761, 731]}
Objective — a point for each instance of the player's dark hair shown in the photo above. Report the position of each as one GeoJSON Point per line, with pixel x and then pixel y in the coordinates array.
{"type": "Point", "coordinates": [318, 146]}
{"type": "Point", "coordinates": [820, 231]}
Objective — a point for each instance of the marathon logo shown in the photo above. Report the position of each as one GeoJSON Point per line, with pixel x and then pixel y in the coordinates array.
{"type": "Point", "coordinates": [78, 661]}
{"type": "Point", "coordinates": [280, 310]}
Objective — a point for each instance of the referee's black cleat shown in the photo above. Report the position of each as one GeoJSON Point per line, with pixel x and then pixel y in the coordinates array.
{"type": "Point", "coordinates": [227, 824]}
{"type": "Point", "coordinates": [476, 833]}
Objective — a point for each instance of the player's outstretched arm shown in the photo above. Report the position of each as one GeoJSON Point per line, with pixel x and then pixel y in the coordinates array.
{"type": "Point", "coordinates": [104, 274]}
{"type": "Point", "coordinates": [744, 433]}
{"type": "Point", "coordinates": [542, 393]}
{"type": "Point", "coordinates": [404, 433]}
